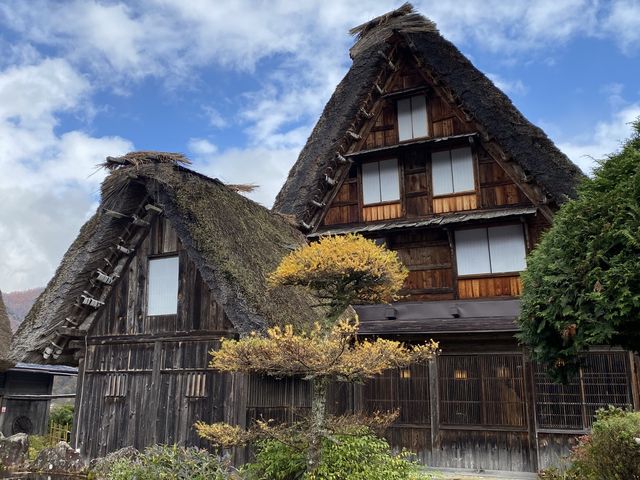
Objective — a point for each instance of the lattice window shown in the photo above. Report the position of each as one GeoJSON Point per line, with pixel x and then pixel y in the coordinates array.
{"type": "Point", "coordinates": [196, 385]}
{"type": "Point", "coordinates": [406, 390]}
{"type": "Point", "coordinates": [116, 385]}
{"type": "Point", "coordinates": [603, 379]}
{"type": "Point", "coordinates": [282, 400]}
{"type": "Point", "coordinates": [481, 390]}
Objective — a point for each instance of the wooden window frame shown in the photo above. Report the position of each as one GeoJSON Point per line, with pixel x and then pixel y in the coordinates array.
{"type": "Point", "coordinates": [398, 160]}
{"type": "Point", "coordinates": [484, 392]}
{"type": "Point", "coordinates": [161, 256]}
{"type": "Point", "coordinates": [474, 168]}
{"type": "Point", "coordinates": [408, 95]}
{"type": "Point", "coordinates": [486, 227]}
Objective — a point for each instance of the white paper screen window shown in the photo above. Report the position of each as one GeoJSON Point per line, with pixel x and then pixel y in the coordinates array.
{"type": "Point", "coordinates": [380, 181]}
{"type": "Point", "coordinates": [506, 246]}
{"type": "Point", "coordinates": [452, 171]}
{"type": "Point", "coordinates": [163, 286]}
{"type": "Point", "coordinates": [472, 251]}
{"type": "Point", "coordinates": [490, 250]}
{"type": "Point", "coordinates": [412, 118]}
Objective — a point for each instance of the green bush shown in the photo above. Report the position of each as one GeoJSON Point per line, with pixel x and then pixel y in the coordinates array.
{"type": "Point", "coordinates": [611, 452]}
{"type": "Point", "coordinates": [37, 443]}
{"type": "Point", "coordinates": [61, 415]}
{"type": "Point", "coordinates": [172, 462]}
{"type": "Point", "coordinates": [345, 457]}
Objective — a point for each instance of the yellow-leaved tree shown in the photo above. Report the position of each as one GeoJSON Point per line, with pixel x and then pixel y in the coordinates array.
{"type": "Point", "coordinates": [340, 271]}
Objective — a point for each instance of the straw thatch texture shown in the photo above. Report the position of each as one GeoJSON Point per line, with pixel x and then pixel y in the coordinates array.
{"type": "Point", "coordinates": [5, 337]}
{"type": "Point", "coordinates": [232, 240]}
{"type": "Point", "coordinates": [524, 142]}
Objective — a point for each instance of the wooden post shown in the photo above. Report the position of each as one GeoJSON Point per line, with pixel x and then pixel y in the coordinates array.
{"type": "Point", "coordinates": [530, 405]}
{"type": "Point", "coordinates": [155, 391]}
{"type": "Point", "coordinates": [434, 406]}
{"type": "Point", "coordinates": [76, 431]}
{"type": "Point", "coordinates": [634, 364]}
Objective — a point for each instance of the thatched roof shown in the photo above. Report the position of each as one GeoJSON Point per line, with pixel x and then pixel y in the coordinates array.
{"type": "Point", "coordinates": [485, 103]}
{"type": "Point", "coordinates": [233, 241]}
{"type": "Point", "coordinates": [5, 337]}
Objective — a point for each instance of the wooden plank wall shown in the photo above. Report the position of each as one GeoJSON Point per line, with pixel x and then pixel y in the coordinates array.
{"type": "Point", "coordinates": [427, 255]}
{"type": "Point", "coordinates": [490, 286]}
{"type": "Point", "coordinates": [495, 190]}
{"type": "Point", "coordinates": [146, 378]}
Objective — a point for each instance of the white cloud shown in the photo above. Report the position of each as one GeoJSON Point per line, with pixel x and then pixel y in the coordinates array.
{"type": "Point", "coordinates": [510, 87]}
{"type": "Point", "coordinates": [214, 117]}
{"type": "Point", "coordinates": [605, 138]}
{"type": "Point", "coordinates": [265, 167]}
{"type": "Point", "coordinates": [46, 186]}
{"type": "Point", "coordinates": [623, 23]}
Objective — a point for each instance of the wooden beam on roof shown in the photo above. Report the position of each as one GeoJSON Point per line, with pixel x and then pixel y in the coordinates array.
{"type": "Point", "coordinates": [374, 110]}
{"type": "Point", "coordinates": [72, 332]}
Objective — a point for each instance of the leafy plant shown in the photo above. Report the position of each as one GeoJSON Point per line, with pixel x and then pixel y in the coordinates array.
{"type": "Point", "coordinates": [172, 463]}
{"type": "Point", "coordinates": [611, 452]}
{"type": "Point", "coordinates": [357, 456]}
{"type": "Point", "coordinates": [37, 443]}
{"type": "Point", "coordinates": [581, 282]}
{"type": "Point", "coordinates": [61, 415]}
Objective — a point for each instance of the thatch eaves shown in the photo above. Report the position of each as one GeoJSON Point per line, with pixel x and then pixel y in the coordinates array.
{"type": "Point", "coordinates": [486, 104]}
{"type": "Point", "coordinates": [5, 337]}
{"type": "Point", "coordinates": [233, 241]}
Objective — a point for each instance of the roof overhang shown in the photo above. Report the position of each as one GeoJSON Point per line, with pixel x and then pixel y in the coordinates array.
{"type": "Point", "coordinates": [450, 316]}
{"type": "Point", "coordinates": [436, 221]}
{"type": "Point", "coordinates": [61, 370]}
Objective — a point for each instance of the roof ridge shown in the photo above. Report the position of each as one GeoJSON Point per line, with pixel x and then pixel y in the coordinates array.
{"type": "Point", "coordinates": [379, 29]}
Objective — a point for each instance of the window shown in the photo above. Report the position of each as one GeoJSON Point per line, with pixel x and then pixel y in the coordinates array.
{"type": "Point", "coordinates": [481, 390]}
{"type": "Point", "coordinates": [405, 390]}
{"type": "Point", "coordinates": [116, 385]}
{"type": "Point", "coordinates": [380, 181]}
{"type": "Point", "coordinates": [452, 171]}
{"type": "Point", "coordinates": [163, 286]}
{"type": "Point", "coordinates": [412, 118]}
{"type": "Point", "coordinates": [196, 385]}
{"type": "Point", "coordinates": [490, 250]}
{"type": "Point", "coordinates": [603, 379]}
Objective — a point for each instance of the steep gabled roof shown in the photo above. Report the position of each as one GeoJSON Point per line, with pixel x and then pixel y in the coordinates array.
{"type": "Point", "coordinates": [485, 104]}
{"type": "Point", "coordinates": [5, 337]}
{"type": "Point", "coordinates": [233, 241]}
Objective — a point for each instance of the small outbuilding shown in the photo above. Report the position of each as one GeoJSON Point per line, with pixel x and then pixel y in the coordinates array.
{"type": "Point", "coordinates": [25, 388]}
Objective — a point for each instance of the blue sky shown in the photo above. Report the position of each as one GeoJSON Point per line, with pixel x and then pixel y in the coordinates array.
{"type": "Point", "coordinates": [237, 85]}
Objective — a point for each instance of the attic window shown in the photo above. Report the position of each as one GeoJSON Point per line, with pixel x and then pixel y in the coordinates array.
{"type": "Point", "coordinates": [380, 181]}
{"type": "Point", "coordinates": [490, 250]}
{"type": "Point", "coordinates": [452, 171]}
{"type": "Point", "coordinates": [163, 286]}
{"type": "Point", "coordinates": [412, 117]}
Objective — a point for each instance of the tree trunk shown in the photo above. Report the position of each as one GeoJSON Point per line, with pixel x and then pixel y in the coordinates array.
{"type": "Point", "coordinates": [317, 421]}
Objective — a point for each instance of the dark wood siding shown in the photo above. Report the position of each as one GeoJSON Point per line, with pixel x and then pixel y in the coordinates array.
{"type": "Point", "coordinates": [146, 378]}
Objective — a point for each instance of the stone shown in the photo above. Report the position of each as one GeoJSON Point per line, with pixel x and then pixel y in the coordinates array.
{"type": "Point", "coordinates": [14, 450]}
{"type": "Point", "coordinates": [100, 467]}
{"type": "Point", "coordinates": [59, 459]}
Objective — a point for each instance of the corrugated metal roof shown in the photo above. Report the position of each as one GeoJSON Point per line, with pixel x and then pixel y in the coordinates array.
{"type": "Point", "coordinates": [441, 220]}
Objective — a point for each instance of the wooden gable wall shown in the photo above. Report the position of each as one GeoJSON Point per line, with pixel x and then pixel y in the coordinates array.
{"type": "Point", "coordinates": [494, 188]}
{"type": "Point", "coordinates": [125, 310]}
{"type": "Point", "coordinates": [145, 379]}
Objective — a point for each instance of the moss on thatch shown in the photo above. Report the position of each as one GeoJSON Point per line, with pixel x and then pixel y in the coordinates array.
{"type": "Point", "coordinates": [233, 241]}
{"type": "Point", "coordinates": [5, 337]}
